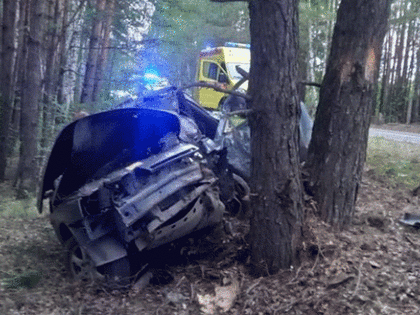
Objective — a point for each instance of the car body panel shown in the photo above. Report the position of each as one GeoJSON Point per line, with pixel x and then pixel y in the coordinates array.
{"type": "Point", "coordinates": [84, 148]}
{"type": "Point", "coordinates": [125, 177]}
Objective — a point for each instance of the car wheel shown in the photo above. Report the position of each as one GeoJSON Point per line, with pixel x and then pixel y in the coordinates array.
{"type": "Point", "coordinates": [81, 267]}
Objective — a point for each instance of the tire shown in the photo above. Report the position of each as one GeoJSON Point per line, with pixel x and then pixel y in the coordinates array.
{"type": "Point", "coordinates": [81, 267]}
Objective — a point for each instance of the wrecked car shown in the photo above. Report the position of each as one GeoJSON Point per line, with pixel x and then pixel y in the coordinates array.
{"type": "Point", "coordinates": [146, 173]}
{"type": "Point", "coordinates": [224, 135]}
{"type": "Point", "coordinates": [122, 182]}
{"type": "Point", "coordinates": [228, 129]}
{"type": "Point", "coordinates": [202, 128]}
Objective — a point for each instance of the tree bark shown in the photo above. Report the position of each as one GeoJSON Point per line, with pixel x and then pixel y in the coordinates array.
{"type": "Point", "coordinates": [54, 42]}
{"type": "Point", "coordinates": [277, 193]}
{"type": "Point", "coordinates": [408, 72]}
{"type": "Point", "coordinates": [104, 48]}
{"type": "Point", "coordinates": [416, 104]}
{"type": "Point", "coordinates": [31, 94]}
{"type": "Point", "coordinates": [8, 57]}
{"type": "Point", "coordinates": [386, 69]}
{"type": "Point", "coordinates": [338, 148]}
{"type": "Point", "coordinates": [93, 55]}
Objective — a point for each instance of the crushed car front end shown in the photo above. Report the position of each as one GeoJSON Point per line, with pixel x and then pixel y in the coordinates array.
{"type": "Point", "coordinates": [123, 181]}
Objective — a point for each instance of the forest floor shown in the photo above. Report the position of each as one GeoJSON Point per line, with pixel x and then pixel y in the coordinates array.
{"type": "Point", "coordinates": [373, 267]}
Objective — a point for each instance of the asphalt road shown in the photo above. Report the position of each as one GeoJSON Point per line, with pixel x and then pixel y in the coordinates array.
{"type": "Point", "coordinates": [395, 135]}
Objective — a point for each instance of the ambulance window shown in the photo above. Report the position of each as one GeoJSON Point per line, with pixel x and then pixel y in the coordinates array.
{"type": "Point", "coordinates": [210, 70]}
{"type": "Point", "coordinates": [213, 71]}
{"type": "Point", "coordinates": [206, 66]}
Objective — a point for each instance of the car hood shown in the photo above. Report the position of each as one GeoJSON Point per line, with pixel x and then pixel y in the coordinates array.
{"type": "Point", "coordinates": [94, 146]}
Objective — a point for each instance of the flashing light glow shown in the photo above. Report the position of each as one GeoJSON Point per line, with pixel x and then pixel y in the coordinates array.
{"type": "Point", "coordinates": [227, 44]}
{"type": "Point", "coordinates": [151, 77]}
{"type": "Point", "coordinates": [152, 81]}
{"type": "Point", "coordinates": [237, 45]}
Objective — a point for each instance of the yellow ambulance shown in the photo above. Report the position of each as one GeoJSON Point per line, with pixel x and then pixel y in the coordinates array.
{"type": "Point", "coordinates": [218, 66]}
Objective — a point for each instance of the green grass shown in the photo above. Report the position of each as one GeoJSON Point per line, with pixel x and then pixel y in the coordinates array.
{"type": "Point", "coordinates": [9, 206]}
{"type": "Point", "coordinates": [396, 163]}
{"type": "Point", "coordinates": [27, 279]}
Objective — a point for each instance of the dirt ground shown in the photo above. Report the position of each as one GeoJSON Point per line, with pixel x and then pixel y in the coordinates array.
{"type": "Point", "coordinates": [373, 267]}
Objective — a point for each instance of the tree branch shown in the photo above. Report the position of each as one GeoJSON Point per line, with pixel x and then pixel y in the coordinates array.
{"type": "Point", "coordinates": [311, 84]}
{"type": "Point", "coordinates": [216, 88]}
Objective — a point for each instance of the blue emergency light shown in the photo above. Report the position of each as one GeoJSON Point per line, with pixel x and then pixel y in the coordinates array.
{"type": "Point", "coordinates": [237, 45]}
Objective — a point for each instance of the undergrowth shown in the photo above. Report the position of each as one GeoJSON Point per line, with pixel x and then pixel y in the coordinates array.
{"type": "Point", "coordinates": [396, 163]}
{"type": "Point", "coordinates": [10, 206]}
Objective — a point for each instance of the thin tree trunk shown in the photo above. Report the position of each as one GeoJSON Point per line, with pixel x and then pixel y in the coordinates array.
{"type": "Point", "coordinates": [8, 57]}
{"type": "Point", "coordinates": [386, 60]}
{"type": "Point", "coordinates": [77, 56]}
{"type": "Point", "coordinates": [53, 40]}
{"type": "Point", "coordinates": [20, 72]}
{"type": "Point", "coordinates": [408, 69]}
{"type": "Point", "coordinates": [407, 52]}
{"type": "Point", "coordinates": [416, 105]}
{"type": "Point", "coordinates": [393, 54]}
{"type": "Point", "coordinates": [104, 48]}
{"type": "Point", "coordinates": [399, 53]}
{"type": "Point", "coordinates": [93, 55]}
{"type": "Point", "coordinates": [409, 111]}
{"type": "Point", "coordinates": [31, 94]}
{"type": "Point", "coordinates": [398, 104]}
{"type": "Point", "coordinates": [63, 56]}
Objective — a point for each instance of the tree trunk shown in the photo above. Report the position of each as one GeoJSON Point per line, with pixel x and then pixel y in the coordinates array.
{"type": "Point", "coordinates": [64, 56]}
{"type": "Point", "coordinates": [338, 148]}
{"type": "Point", "coordinates": [409, 69]}
{"type": "Point", "coordinates": [20, 72]}
{"type": "Point", "coordinates": [27, 172]}
{"type": "Point", "coordinates": [8, 57]}
{"type": "Point", "coordinates": [416, 105]}
{"type": "Point", "coordinates": [277, 217]}
{"type": "Point", "coordinates": [399, 88]}
{"type": "Point", "coordinates": [53, 42]}
{"type": "Point", "coordinates": [104, 48]}
{"type": "Point", "coordinates": [76, 57]}
{"type": "Point", "coordinates": [93, 55]}
{"type": "Point", "coordinates": [386, 69]}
